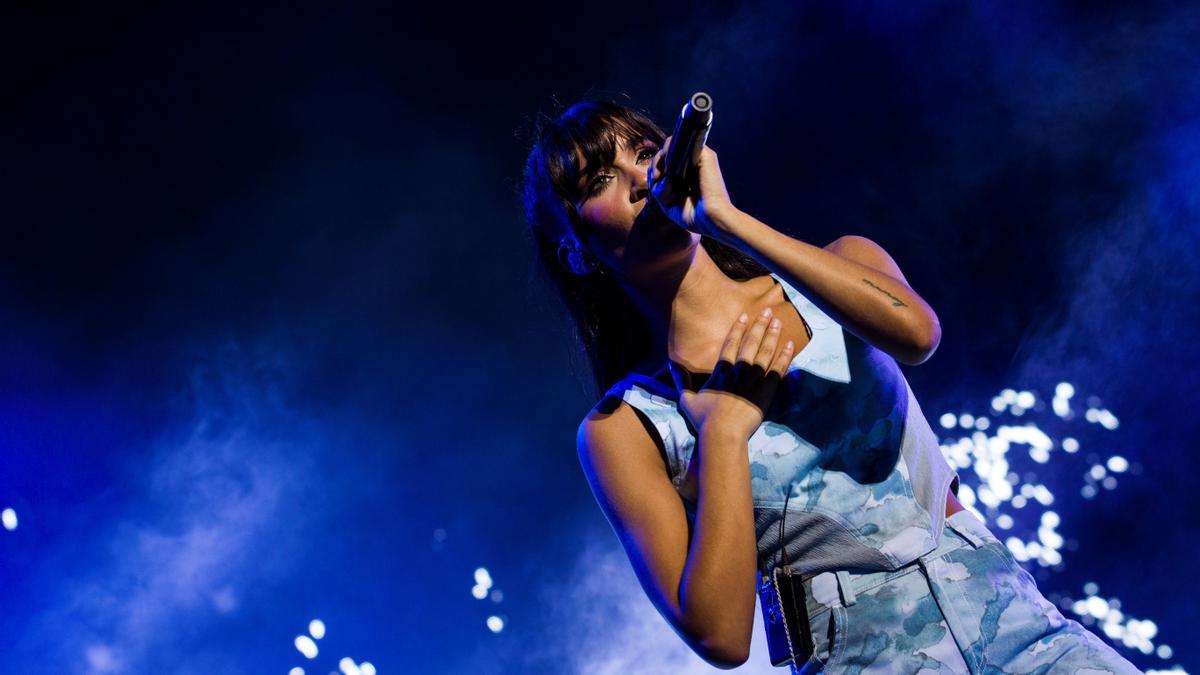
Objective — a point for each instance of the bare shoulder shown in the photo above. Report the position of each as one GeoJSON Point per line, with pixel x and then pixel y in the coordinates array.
{"type": "Point", "coordinates": [612, 430]}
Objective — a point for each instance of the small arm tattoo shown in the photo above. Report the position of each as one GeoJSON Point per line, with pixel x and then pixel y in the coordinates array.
{"type": "Point", "coordinates": [895, 301]}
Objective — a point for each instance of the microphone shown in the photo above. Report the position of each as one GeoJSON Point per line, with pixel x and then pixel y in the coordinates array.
{"type": "Point", "coordinates": [683, 159]}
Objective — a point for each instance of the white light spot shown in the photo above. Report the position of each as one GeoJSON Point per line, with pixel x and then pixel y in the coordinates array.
{"type": "Point", "coordinates": [1088, 491]}
{"type": "Point", "coordinates": [1070, 444]}
{"type": "Point", "coordinates": [1018, 502]}
{"type": "Point", "coordinates": [296, 671]}
{"type": "Point", "coordinates": [316, 628]}
{"type": "Point", "coordinates": [479, 591]}
{"type": "Point", "coordinates": [1090, 588]}
{"type": "Point", "coordinates": [10, 519]}
{"type": "Point", "coordinates": [988, 497]}
{"type": "Point", "coordinates": [1017, 547]}
{"type": "Point", "coordinates": [495, 624]}
{"type": "Point", "coordinates": [1050, 538]}
{"type": "Point", "coordinates": [1026, 399]}
{"type": "Point", "coordinates": [1097, 472]}
{"type": "Point", "coordinates": [348, 666]}
{"type": "Point", "coordinates": [1061, 407]}
{"type": "Point", "coordinates": [482, 577]}
{"type": "Point", "coordinates": [1004, 521]}
{"type": "Point", "coordinates": [1091, 415]}
{"type": "Point", "coordinates": [366, 668]}
{"type": "Point", "coordinates": [966, 496]}
{"type": "Point", "coordinates": [982, 423]}
{"type": "Point", "coordinates": [1008, 395]}
{"type": "Point", "coordinates": [1117, 464]}
{"type": "Point", "coordinates": [947, 420]}
{"type": "Point", "coordinates": [998, 404]}
{"type": "Point", "coordinates": [1064, 390]}
{"type": "Point", "coordinates": [1097, 607]}
{"type": "Point", "coordinates": [1051, 519]}
{"type": "Point", "coordinates": [306, 646]}
{"type": "Point", "coordinates": [1164, 652]}
{"type": "Point", "coordinates": [1043, 495]}
{"type": "Point", "coordinates": [966, 421]}
{"type": "Point", "coordinates": [1109, 483]}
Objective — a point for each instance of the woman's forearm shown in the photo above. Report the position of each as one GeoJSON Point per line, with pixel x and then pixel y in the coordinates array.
{"type": "Point", "coordinates": [718, 586]}
{"type": "Point", "coordinates": [878, 308]}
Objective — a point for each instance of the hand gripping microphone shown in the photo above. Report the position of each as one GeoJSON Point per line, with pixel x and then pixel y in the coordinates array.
{"type": "Point", "coordinates": [683, 158]}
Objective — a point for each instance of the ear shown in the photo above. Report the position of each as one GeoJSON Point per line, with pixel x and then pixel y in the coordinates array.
{"type": "Point", "coordinates": [575, 260]}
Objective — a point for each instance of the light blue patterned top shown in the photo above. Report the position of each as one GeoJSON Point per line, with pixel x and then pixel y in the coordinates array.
{"type": "Point", "coordinates": [844, 435]}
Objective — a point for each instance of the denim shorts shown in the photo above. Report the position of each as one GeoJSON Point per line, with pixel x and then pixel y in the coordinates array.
{"type": "Point", "coordinates": [966, 607]}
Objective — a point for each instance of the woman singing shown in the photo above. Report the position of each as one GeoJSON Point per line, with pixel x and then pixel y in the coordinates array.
{"type": "Point", "coordinates": [755, 417]}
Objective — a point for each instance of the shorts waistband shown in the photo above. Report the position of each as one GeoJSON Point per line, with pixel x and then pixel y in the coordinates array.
{"type": "Point", "coordinates": [825, 590]}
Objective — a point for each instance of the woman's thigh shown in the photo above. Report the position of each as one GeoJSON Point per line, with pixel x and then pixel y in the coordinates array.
{"type": "Point", "coordinates": [1003, 624]}
{"type": "Point", "coordinates": [969, 610]}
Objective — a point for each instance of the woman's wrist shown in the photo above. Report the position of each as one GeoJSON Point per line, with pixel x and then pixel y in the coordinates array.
{"type": "Point", "coordinates": [718, 436]}
{"type": "Point", "coordinates": [728, 224]}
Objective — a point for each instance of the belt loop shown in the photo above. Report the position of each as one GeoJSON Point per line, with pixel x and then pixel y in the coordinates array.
{"type": "Point", "coordinates": [965, 531]}
{"type": "Point", "coordinates": [843, 578]}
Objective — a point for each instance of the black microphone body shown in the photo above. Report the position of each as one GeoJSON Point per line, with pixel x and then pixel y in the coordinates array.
{"type": "Point", "coordinates": [691, 131]}
{"type": "Point", "coordinates": [683, 158]}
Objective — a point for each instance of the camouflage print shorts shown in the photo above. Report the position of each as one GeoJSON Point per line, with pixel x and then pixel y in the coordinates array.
{"type": "Point", "coordinates": [966, 607]}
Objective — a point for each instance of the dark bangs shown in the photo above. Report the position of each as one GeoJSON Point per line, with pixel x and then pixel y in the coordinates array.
{"type": "Point", "coordinates": [593, 129]}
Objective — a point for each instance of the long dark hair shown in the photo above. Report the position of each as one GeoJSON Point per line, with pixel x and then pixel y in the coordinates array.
{"type": "Point", "coordinates": [612, 332]}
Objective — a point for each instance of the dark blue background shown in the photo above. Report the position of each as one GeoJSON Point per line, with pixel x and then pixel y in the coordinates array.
{"type": "Point", "coordinates": [269, 319]}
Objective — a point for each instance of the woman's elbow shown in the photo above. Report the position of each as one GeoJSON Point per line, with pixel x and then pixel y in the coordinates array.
{"type": "Point", "coordinates": [720, 651]}
{"type": "Point", "coordinates": [924, 343]}
{"type": "Point", "coordinates": [725, 657]}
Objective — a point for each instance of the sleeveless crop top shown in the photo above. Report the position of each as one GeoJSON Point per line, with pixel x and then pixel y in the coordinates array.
{"type": "Point", "coordinates": [844, 437]}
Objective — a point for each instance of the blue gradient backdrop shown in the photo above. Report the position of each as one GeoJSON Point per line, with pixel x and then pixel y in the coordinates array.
{"type": "Point", "coordinates": [271, 351]}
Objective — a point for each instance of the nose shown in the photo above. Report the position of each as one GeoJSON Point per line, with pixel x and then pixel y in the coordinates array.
{"type": "Point", "coordinates": [639, 186]}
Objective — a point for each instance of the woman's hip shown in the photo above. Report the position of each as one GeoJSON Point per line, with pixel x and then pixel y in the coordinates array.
{"type": "Point", "coordinates": [966, 607]}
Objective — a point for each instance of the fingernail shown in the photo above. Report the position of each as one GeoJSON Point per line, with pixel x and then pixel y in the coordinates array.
{"type": "Point", "coordinates": [767, 311]}
{"type": "Point", "coordinates": [743, 318]}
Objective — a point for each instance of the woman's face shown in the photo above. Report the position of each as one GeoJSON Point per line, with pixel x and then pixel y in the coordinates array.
{"type": "Point", "coordinates": [612, 197]}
